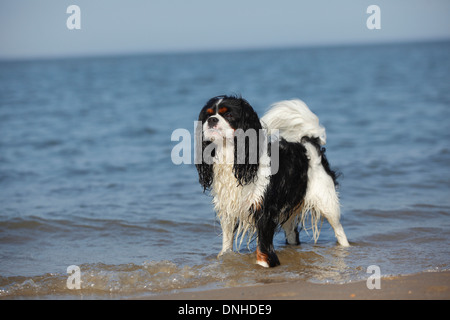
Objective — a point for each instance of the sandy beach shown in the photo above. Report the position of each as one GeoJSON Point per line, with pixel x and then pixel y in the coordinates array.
{"type": "Point", "coordinates": [423, 286]}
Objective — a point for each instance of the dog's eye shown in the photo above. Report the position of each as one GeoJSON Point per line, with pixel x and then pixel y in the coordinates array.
{"type": "Point", "coordinates": [228, 115]}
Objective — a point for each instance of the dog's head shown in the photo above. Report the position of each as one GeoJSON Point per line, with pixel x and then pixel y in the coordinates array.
{"type": "Point", "coordinates": [229, 118]}
{"type": "Point", "coordinates": [223, 115]}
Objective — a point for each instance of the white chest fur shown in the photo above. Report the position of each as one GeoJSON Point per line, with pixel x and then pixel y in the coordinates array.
{"type": "Point", "coordinates": [232, 202]}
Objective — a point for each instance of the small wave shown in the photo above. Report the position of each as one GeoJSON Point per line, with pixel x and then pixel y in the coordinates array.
{"type": "Point", "coordinates": [140, 132]}
{"type": "Point", "coordinates": [33, 223]}
{"type": "Point", "coordinates": [15, 175]}
{"type": "Point", "coordinates": [58, 227]}
{"type": "Point", "coordinates": [49, 143]}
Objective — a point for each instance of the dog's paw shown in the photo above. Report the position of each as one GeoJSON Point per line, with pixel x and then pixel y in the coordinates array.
{"type": "Point", "coordinates": [223, 252]}
{"type": "Point", "coordinates": [267, 260]}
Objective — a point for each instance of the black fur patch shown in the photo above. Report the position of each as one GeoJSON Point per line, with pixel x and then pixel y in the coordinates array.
{"type": "Point", "coordinates": [285, 192]}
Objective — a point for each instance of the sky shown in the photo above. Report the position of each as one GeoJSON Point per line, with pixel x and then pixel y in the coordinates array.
{"type": "Point", "coordinates": [38, 29]}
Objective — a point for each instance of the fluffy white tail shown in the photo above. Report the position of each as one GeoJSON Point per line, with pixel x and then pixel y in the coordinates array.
{"type": "Point", "coordinates": [294, 120]}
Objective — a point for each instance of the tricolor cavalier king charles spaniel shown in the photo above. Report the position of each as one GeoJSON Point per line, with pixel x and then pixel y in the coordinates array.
{"type": "Point", "coordinates": [253, 195]}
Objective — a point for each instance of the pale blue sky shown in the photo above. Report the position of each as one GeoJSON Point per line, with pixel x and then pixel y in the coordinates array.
{"type": "Point", "coordinates": [37, 28]}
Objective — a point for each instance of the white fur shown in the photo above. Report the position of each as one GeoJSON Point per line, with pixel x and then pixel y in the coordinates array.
{"type": "Point", "coordinates": [262, 263]}
{"type": "Point", "coordinates": [222, 132]}
{"type": "Point", "coordinates": [294, 120]}
{"type": "Point", "coordinates": [232, 201]}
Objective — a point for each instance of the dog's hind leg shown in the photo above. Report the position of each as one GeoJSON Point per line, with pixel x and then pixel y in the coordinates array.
{"type": "Point", "coordinates": [291, 233]}
{"type": "Point", "coordinates": [327, 205]}
{"type": "Point", "coordinates": [321, 196]}
{"type": "Point", "coordinates": [333, 218]}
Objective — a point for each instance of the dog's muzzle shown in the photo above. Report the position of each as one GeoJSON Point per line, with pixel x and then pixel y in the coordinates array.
{"type": "Point", "coordinates": [212, 122]}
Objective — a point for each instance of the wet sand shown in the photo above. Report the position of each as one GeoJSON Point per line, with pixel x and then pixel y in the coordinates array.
{"type": "Point", "coordinates": [427, 285]}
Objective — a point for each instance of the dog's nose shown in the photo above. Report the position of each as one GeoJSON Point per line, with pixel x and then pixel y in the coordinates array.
{"type": "Point", "coordinates": [212, 121]}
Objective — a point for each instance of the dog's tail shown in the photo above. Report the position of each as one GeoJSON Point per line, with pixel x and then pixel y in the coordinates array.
{"type": "Point", "coordinates": [294, 121]}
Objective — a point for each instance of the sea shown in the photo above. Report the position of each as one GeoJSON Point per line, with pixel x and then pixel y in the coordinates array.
{"type": "Point", "coordinates": [94, 205]}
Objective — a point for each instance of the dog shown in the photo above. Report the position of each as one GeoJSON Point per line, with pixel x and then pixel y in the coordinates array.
{"type": "Point", "coordinates": [252, 198]}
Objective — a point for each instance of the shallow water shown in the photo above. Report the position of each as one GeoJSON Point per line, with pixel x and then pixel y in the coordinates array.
{"type": "Point", "coordinates": [86, 176]}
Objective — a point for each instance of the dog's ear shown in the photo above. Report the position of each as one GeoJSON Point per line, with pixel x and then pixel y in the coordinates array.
{"type": "Point", "coordinates": [203, 160]}
{"type": "Point", "coordinates": [249, 118]}
{"type": "Point", "coordinates": [205, 168]}
{"type": "Point", "coordinates": [246, 145]}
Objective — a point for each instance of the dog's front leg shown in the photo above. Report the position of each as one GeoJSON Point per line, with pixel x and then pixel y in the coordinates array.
{"type": "Point", "coordinates": [265, 253]}
{"type": "Point", "coordinates": [228, 227]}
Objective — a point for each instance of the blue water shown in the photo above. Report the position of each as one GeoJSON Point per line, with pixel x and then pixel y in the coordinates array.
{"type": "Point", "coordinates": [86, 175]}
